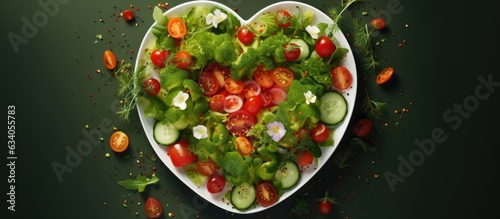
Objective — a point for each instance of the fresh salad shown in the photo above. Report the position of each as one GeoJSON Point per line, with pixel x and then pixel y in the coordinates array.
{"type": "Point", "coordinates": [244, 106]}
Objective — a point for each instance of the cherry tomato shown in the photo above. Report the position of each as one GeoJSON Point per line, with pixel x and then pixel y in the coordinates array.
{"type": "Point", "coordinates": [240, 122]}
{"type": "Point", "coordinates": [232, 86]}
{"type": "Point", "coordinates": [151, 86]}
{"type": "Point", "coordinates": [384, 75]}
{"type": "Point", "coordinates": [183, 60]}
{"type": "Point", "coordinates": [253, 105]}
{"type": "Point", "coordinates": [305, 158]}
{"type": "Point", "coordinates": [159, 57]}
{"type": "Point", "coordinates": [278, 95]}
{"type": "Point", "coordinates": [325, 47]}
{"type": "Point", "coordinates": [282, 77]}
{"type": "Point", "coordinates": [221, 72]}
{"type": "Point", "coordinates": [180, 154]}
{"type": "Point", "coordinates": [245, 35]}
{"type": "Point", "coordinates": [266, 97]}
{"type": "Point", "coordinates": [216, 183]}
{"type": "Point", "coordinates": [176, 27]}
{"type": "Point", "coordinates": [243, 146]}
{"type": "Point", "coordinates": [208, 83]}
{"type": "Point", "coordinates": [325, 207]}
{"type": "Point", "coordinates": [266, 193]}
{"type": "Point", "coordinates": [232, 103]}
{"type": "Point", "coordinates": [109, 60]}
{"type": "Point", "coordinates": [283, 18]}
{"type": "Point", "coordinates": [378, 23]}
{"type": "Point", "coordinates": [301, 133]}
{"type": "Point", "coordinates": [291, 51]}
{"type": "Point", "coordinates": [153, 208]}
{"type": "Point", "coordinates": [128, 15]}
{"type": "Point", "coordinates": [251, 88]}
{"type": "Point", "coordinates": [319, 133]}
{"type": "Point", "coordinates": [362, 127]}
{"type": "Point", "coordinates": [263, 77]}
{"type": "Point", "coordinates": [207, 167]}
{"type": "Point", "coordinates": [118, 141]}
{"type": "Point", "coordinates": [341, 78]}
{"type": "Point", "coordinates": [217, 102]}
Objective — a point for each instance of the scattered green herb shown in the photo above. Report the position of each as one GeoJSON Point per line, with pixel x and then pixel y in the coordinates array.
{"type": "Point", "coordinates": [139, 183]}
{"type": "Point", "coordinates": [373, 109]}
{"type": "Point", "coordinates": [301, 208]}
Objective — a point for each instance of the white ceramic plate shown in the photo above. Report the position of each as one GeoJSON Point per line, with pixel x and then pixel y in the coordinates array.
{"type": "Point", "coordinates": [307, 174]}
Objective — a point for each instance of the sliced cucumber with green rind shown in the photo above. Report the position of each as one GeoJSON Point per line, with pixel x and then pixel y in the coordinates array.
{"type": "Point", "coordinates": [333, 108]}
{"type": "Point", "coordinates": [165, 133]}
{"type": "Point", "coordinates": [243, 196]}
{"type": "Point", "coordinates": [289, 175]}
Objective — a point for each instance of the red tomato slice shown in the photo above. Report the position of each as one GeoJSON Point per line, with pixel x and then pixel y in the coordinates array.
{"type": "Point", "coordinates": [266, 194]}
{"type": "Point", "coordinates": [221, 72]}
{"type": "Point", "coordinates": [207, 167]}
{"type": "Point", "coordinates": [180, 155]}
{"type": "Point", "coordinates": [153, 208]}
{"type": "Point", "coordinates": [266, 97]}
{"type": "Point", "coordinates": [251, 88]}
{"type": "Point", "coordinates": [240, 122]}
{"type": "Point", "coordinates": [278, 95]}
{"type": "Point", "coordinates": [282, 77]}
{"type": "Point", "coordinates": [243, 146]}
{"type": "Point", "coordinates": [217, 102]}
{"type": "Point", "coordinates": [341, 78]}
{"type": "Point", "coordinates": [176, 27]}
{"type": "Point", "coordinates": [208, 83]}
{"type": "Point", "coordinates": [305, 158]}
{"type": "Point", "coordinates": [183, 60]}
{"type": "Point", "coordinates": [253, 105]}
{"type": "Point", "coordinates": [232, 103]}
{"type": "Point", "coordinates": [263, 77]}
{"type": "Point", "coordinates": [232, 86]}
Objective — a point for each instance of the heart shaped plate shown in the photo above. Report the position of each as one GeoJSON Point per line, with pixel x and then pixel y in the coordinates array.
{"type": "Point", "coordinates": [307, 173]}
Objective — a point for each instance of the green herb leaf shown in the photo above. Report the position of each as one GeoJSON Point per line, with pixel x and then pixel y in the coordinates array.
{"type": "Point", "coordinates": [139, 183]}
{"type": "Point", "coordinates": [301, 208]}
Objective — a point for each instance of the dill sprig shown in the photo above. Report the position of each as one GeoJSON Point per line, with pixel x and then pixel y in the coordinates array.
{"type": "Point", "coordinates": [363, 145]}
{"type": "Point", "coordinates": [128, 90]}
{"type": "Point", "coordinates": [335, 13]}
{"type": "Point", "coordinates": [362, 40]}
{"type": "Point", "coordinates": [373, 109]}
{"type": "Point", "coordinates": [343, 157]}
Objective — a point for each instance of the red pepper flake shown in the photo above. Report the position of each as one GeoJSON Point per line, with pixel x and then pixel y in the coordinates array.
{"type": "Point", "coordinates": [91, 95]}
{"type": "Point", "coordinates": [400, 45]}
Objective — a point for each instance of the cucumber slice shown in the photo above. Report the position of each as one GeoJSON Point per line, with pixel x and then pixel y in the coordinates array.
{"type": "Point", "coordinates": [304, 48]}
{"type": "Point", "coordinates": [333, 108]}
{"type": "Point", "coordinates": [289, 175]}
{"type": "Point", "coordinates": [243, 196]}
{"type": "Point", "coordinates": [165, 133]}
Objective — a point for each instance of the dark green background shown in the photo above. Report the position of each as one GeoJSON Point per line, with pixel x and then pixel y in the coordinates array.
{"type": "Point", "coordinates": [51, 79]}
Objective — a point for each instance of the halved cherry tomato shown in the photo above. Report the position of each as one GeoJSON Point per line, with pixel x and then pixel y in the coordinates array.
{"type": "Point", "coordinates": [233, 86]}
{"type": "Point", "coordinates": [118, 141]}
{"type": "Point", "coordinates": [128, 15]}
{"type": "Point", "coordinates": [278, 95]}
{"type": "Point", "coordinates": [208, 83]}
{"type": "Point", "coordinates": [176, 27]}
{"type": "Point", "coordinates": [305, 158]}
{"type": "Point", "coordinates": [216, 183]}
{"type": "Point", "coordinates": [266, 97]}
{"type": "Point", "coordinates": [282, 77]}
{"type": "Point", "coordinates": [183, 60]}
{"type": "Point", "coordinates": [232, 103]}
{"type": "Point", "coordinates": [221, 72]}
{"type": "Point", "coordinates": [159, 57]}
{"type": "Point", "coordinates": [151, 86]}
{"type": "Point", "coordinates": [240, 122]}
{"type": "Point", "coordinates": [180, 154]}
{"type": "Point", "coordinates": [251, 88]}
{"type": "Point", "coordinates": [283, 18]}
{"type": "Point", "coordinates": [341, 78]}
{"type": "Point", "coordinates": [378, 23]}
{"type": "Point", "coordinates": [243, 146]}
{"type": "Point", "coordinates": [384, 75]}
{"type": "Point", "coordinates": [266, 193]}
{"type": "Point", "coordinates": [207, 167]}
{"type": "Point", "coordinates": [153, 208]}
{"type": "Point", "coordinates": [217, 102]}
{"type": "Point", "coordinates": [319, 133]}
{"type": "Point", "coordinates": [263, 77]}
{"type": "Point", "coordinates": [325, 47]}
{"type": "Point", "coordinates": [109, 60]}
{"type": "Point", "coordinates": [253, 105]}
{"type": "Point", "coordinates": [245, 35]}
{"type": "Point", "coordinates": [291, 51]}
{"type": "Point", "coordinates": [362, 127]}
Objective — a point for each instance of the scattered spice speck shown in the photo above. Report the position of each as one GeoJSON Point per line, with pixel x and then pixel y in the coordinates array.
{"type": "Point", "coordinates": [107, 155]}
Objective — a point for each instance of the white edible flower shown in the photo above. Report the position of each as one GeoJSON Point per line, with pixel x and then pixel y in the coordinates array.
{"type": "Point", "coordinates": [180, 100]}
{"type": "Point", "coordinates": [276, 130]}
{"type": "Point", "coordinates": [313, 31]}
{"type": "Point", "coordinates": [215, 18]}
{"type": "Point", "coordinates": [310, 97]}
{"type": "Point", "coordinates": [200, 131]}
